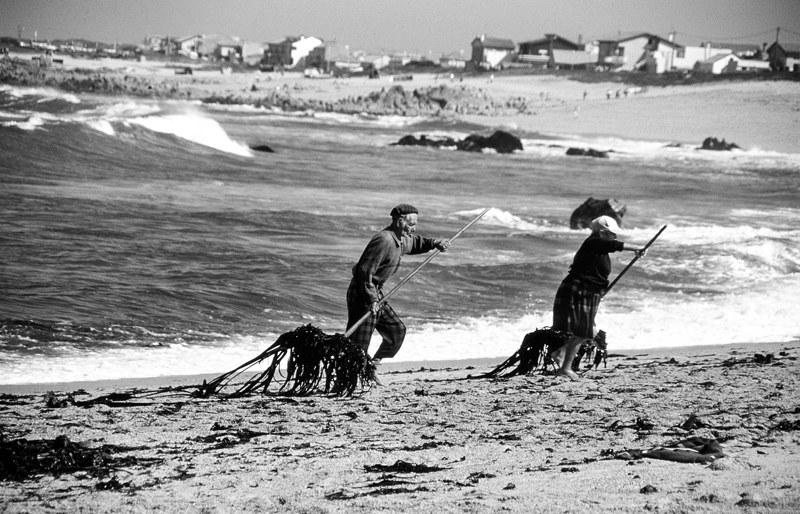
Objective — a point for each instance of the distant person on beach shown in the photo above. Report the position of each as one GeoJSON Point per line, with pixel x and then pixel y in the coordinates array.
{"type": "Point", "coordinates": [579, 294]}
{"type": "Point", "coordinates": [379, 261]}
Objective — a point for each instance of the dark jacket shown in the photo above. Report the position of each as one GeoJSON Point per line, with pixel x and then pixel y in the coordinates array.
{"type": "Point", "coordinates": [381, 259]}
{"type": "Point", "coordinates": [592, 265]}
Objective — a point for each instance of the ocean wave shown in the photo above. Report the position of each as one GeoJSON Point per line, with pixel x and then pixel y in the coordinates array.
{"type": "Point", "coordinates": [320, 117]}
{"type": "Point", "coordinates": [198, 129]}
{"type": "Point", "coordinates": [45, 94]}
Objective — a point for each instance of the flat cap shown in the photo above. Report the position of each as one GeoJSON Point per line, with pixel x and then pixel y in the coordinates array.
{"type": "Point", "coordinates": [403, 209]}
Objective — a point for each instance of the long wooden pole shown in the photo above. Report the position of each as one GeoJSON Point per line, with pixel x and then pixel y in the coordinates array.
{"type": "Point", "coordinates": [410, 275]}
{"type": "Point", "coordinates": [636, 258]}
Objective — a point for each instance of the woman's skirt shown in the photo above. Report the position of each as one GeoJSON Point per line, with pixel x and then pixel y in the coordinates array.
{"type": "Point", "coordinates": [575, 308]}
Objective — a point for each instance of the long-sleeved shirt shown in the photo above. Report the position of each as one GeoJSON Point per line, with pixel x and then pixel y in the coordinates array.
{"type": "Point", "coordinates": [381, 259]}
{"type": "Point", "coordinates": [591, 264]}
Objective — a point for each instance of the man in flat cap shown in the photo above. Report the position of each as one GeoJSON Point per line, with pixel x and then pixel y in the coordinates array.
{"type": "Point", "coordinates": [379, 261]}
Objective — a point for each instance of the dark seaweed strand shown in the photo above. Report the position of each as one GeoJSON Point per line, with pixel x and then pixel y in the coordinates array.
{"type": "Point", "coordinates": [531, 354]}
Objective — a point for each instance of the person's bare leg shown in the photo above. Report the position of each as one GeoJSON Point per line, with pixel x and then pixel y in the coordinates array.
{"type": "Point", "coordinates": [571, 349]}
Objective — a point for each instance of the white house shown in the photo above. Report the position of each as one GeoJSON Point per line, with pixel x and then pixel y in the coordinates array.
{"type": "Point", "coordinates": [685, 57]}
{"type": "Point", "coordinates": [302, 47]}
{"type": "Point", "coordinates": [723, 63]}
{"type": "Point", "coordinates": [490, 52]}
{"type": "Point", "coordinates": [640, 52]}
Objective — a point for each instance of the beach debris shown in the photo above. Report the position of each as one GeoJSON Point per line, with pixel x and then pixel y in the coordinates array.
{"type": "Point", "coordinates": [761, 358]}
{"type": "Point", "coordinates": [787, 426]}
{"type": "Point", "coordinates": [536, 348]}
{"type": "Point", "coordinates": [112, 484]}
{"type": "Point", "coordinates": [712, 143]}
{"type": "Point", "coordinates": [748, 500]}
{"type": "Point", "coordinates": [648, 489]}
{"type": "Point", "coordinates": [316, 362]}
{"type": "Point", "coordinates": [592, 208]}
{"type": "Point", "coordinates": [22, 458]}
{"type": "Point", "coordinates": [500, 141]}
{"type": "Point", "coordinates": [52, 401]}
{"type": "Point", "coordinates": [401, 466]}
{"type": "Point", "coordinates": [692, 422]}
{"type": "Point", "coordinates": [641, 424]}
{"type": "Point", "coordinates": [475, 477]}
{"type": "Point", "coordinates": [690, 450]}
{"type": "Point", "coordinates": [588, 152]}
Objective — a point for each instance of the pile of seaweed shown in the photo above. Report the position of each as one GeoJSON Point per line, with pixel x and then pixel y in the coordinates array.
{"type": "Point", "coordinates": [20, 458]}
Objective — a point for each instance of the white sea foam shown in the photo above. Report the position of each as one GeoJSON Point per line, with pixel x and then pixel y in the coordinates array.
{"type": "Point", "coordinates": [31, 123]}
{"type": "Point", "coordinates": [638, 320]}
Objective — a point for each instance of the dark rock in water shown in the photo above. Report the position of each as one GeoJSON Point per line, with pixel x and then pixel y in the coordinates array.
{"type": "Point", "coordinates": [590, 209]}
{"type": "Point", "coordinates": [587, 152]}
{"type": "Point", "coordinates": [423, 140]}
{"type": "Point", "coordinates": [500, 141]}
{"type": "Point", "coordinates": [712, 143]}
{"type": "Point", "coordinates": [262, 148]}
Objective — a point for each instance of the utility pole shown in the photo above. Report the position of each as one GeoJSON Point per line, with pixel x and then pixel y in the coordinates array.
{"type": "Point", "coordinates": [777, 33]}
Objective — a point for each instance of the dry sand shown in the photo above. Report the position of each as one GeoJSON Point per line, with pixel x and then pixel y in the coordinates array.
{"type": "Point", "coordinates": [526, 444]}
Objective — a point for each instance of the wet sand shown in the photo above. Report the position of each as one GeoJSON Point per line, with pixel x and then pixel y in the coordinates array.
{"type": "Point", "coordinates": [431, 440]}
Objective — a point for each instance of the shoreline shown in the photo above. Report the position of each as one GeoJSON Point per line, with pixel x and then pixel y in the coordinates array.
{"type": "Point", "coordinates": [475, 364]}
{"type": "Point", "coordinates": [430, 440]}
{"type": "Point", "coordinates": [762, 114]}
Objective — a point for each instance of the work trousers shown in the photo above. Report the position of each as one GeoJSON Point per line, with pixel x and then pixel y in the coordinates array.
{"type": "Point", "coordinates": [387, 323]}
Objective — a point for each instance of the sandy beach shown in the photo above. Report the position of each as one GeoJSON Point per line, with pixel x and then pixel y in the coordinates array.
{"type": "Point", "coordinates": [762, 114]}
{"type": "Point", "coordinates": [430, 439]}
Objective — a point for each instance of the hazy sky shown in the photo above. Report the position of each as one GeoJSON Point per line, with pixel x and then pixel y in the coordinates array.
{"type": "Point", "coordinates": [426, 26]}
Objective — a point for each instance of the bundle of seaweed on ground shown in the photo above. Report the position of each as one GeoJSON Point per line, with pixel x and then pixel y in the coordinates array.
{"type": "Point", "coordinates": [537, 347]}
{"type": "Point", "coordinates": [315, 362]}
{"type": "Point", "coordinates": [21, 458]}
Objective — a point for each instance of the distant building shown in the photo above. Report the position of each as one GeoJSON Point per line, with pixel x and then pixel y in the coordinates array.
{"type": "Point", "coordinates": [685, 57]}
{"type": "Point", "coordinates": [489, 53]}
{"type": "Point", "coordinates": [325, 55]}
{"type": "Point", "coordinates": [453, 60]}
{"type": "Point", "coordinates": [643, 52]}
{"type": "Point", "coordinates": [292, 52]}
{"type": "Point", "coordinates": [541, 52]}
{"type": "Point", "coordinates": [783, 58]}
{"type": "Point", "coordinates": [574, 59]}
{"type": "Point", "coordinates": [723, 63]}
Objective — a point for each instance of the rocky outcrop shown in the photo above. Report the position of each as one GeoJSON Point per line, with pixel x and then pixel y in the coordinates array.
{"type": "Point", "coordinates": [590, 209]}
{"type": "Point", "coordinates": [500, 141]}
{"type": "Point", "coordinates": [262, 148]}
{"type": "Point", "coordinates": [587, 152]}
{"type": "Point", "coordinates": [712, 143]}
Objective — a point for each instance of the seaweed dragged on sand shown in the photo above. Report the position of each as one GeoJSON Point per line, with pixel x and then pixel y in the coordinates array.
{"type": "Point", "coordinates": [536, 348]}
{"type": "Point", "coordinates": [316, 362]}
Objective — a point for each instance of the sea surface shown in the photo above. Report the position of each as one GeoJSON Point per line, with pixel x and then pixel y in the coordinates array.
{"type": "Point", "coordinates": [145, 238]}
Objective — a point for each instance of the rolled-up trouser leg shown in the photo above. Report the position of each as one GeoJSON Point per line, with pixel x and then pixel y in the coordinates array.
{"type": "Point", "coordinates": [393, 331]}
